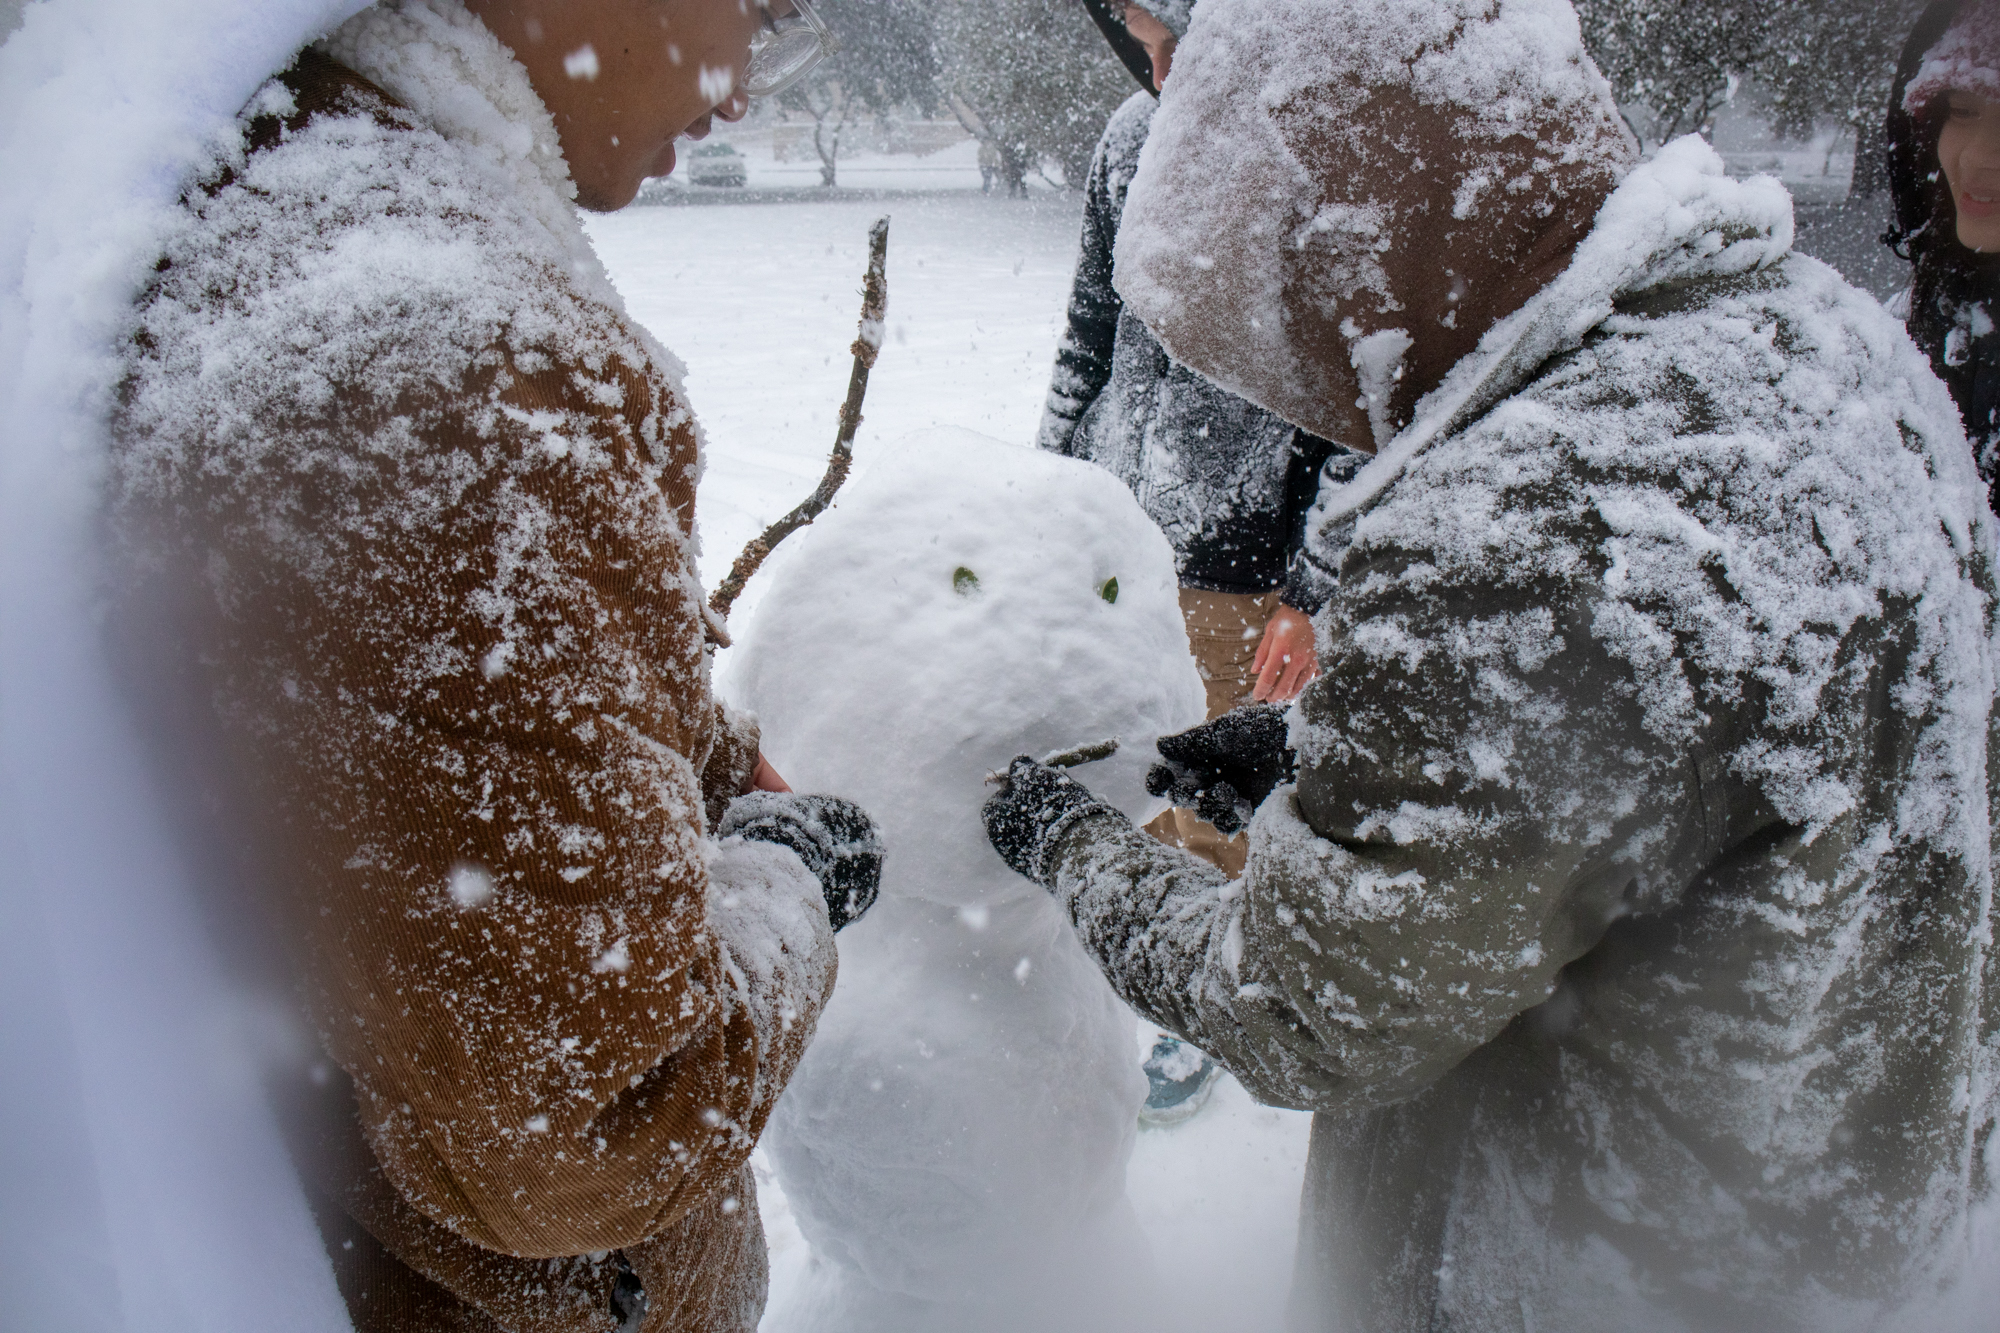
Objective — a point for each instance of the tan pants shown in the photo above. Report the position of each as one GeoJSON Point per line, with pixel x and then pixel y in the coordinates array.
{"type": "Point", "coordinates": [1224, 630]}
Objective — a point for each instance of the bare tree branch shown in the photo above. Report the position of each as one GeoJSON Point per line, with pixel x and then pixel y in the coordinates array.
{"type": "Point", "coordinates": [874, 306]}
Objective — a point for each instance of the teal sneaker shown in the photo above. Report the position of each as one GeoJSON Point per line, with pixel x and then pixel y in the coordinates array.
{"type": "Point", "coordinates": [1179, 1079]}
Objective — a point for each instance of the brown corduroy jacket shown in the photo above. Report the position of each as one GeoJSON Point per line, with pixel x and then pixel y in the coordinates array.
{"type": "Point", "coordinates": [425, 496]}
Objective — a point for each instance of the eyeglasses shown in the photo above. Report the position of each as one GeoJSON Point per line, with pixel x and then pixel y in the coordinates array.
{"type": "Point", "coordinates": [786, 50]}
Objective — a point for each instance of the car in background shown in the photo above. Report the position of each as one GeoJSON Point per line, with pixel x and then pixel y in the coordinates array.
{"type": "Point", "coordinates": [717, 164]}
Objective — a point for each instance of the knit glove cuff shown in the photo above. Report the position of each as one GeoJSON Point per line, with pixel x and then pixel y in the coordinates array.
{"type": "Point", "coordinates": [1222, 770]}
{"type": "Point", "coordinates": [1027, 817]}
{"type": "Point", "coordinates": [835, 838]}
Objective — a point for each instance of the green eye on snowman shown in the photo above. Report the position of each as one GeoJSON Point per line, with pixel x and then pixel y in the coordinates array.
{"type": "Point", "coordinates": [965, 583]}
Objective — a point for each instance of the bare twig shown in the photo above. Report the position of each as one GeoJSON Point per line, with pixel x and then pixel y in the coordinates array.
{"type": "Point", "coordinates": [1082, 754]}
{"type": "Point", "coordinates": [874, 306]}
{"type": "Point", "coordinates": [1088, 753]}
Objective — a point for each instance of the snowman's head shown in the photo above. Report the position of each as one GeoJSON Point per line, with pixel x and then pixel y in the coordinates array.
{"type": "Point", "coordinates": [964, 601]}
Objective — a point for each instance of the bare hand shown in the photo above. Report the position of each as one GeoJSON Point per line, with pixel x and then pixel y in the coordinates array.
{"type": "Point", "coordinates": [1286, 660]}
{"type": "Point", "coordinates": [766, 778]}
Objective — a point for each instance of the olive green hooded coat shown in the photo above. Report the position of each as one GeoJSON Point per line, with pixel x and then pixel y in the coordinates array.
{"type": "Point", "coordinates": [1628, 926]}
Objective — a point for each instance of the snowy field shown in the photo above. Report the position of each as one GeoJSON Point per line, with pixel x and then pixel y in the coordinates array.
{"type": "Point", "coordinates": [760, 302]}
{"type": "Point", "coordinates": [955, 167]}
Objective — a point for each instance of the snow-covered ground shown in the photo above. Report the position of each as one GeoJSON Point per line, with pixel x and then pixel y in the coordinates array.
{"type": "Point", "coordinates": [761, 303]}
{"type": "Point", "coordinates": [1217, 1197]}
{"type": "Point", "coordinates": [955, 167]}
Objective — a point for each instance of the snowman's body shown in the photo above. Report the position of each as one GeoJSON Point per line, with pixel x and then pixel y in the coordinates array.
{"type": "Point", "coordinates": [954, 1142]}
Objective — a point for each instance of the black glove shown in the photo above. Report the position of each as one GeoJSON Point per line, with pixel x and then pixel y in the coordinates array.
{"type": "Point", "coordinates": [1223, 770]}
{"type": "Point", "coordinates": [835, 838]}
{"type": "Point", "coordinates": [1028, 815]}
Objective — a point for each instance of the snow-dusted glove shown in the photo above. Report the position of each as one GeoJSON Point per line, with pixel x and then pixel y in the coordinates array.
{"type": "Point", "coordinates": [835, 838]}
{"type": "Point", "coordinates": [1223, 770]}
{"type": "Point", "coordinates": [1034, 807]}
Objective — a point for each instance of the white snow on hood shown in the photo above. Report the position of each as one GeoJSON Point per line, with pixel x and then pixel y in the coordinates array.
{"type": "Point", "coordinates": [1676, 218]}
{"type": "Point", "coordinates": [1288, 201]}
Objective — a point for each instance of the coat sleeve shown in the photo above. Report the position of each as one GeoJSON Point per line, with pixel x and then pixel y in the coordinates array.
{"type": "Point", "coordinates": [1476, 802]}
{"type": "Point", "coordinates": [1311, 568]}
{"type": "Point", "coordinates": [732, 760]}
{"type": "Point", "coordinates": [565, 1010]}
{"type": "Point", "coordinates": [1083, 357]}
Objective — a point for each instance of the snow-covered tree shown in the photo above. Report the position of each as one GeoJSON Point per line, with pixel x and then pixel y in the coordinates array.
{"type": "Point", "coordinates": [1836, 64]}
{"type": "Point", "coordinates": [1674, 63]}
{"type": "Point", "coordinates": [1032, 77]}
{"type": "Point", "coordinates": [885, 61]}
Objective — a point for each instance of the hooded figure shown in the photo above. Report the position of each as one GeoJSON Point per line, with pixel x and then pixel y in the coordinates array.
{"type": "Point", "coordinates": [1227, 482]}
{"type": "Point", "coordinates": [1628, 923]}
{"type": "Point", "coordinates": [1954, 289]}
{"type": "Point", "coordinates": [409, 500]}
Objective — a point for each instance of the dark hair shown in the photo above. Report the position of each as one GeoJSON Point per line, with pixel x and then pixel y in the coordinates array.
{"type": "Point", "coordinates": [1948, 279]}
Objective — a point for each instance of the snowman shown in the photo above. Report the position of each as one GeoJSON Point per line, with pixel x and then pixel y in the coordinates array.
{"type": "Point", "coordinates": [954, 1142]}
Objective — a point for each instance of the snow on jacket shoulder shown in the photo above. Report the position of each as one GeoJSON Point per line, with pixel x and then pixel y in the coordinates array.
{"type": "Point", "coordinates": [1629, 921]}
{"type": "Point", "coordinates": [434, 492]}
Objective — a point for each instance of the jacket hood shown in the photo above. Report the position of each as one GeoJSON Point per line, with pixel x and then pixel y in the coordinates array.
{"type": "Point", "coordinates": [447, 68]}
{"type": "Point", "coordinates": [1965, 57]}
{"type": "Point", "coordinates": [1676, 219]}
{"type": "Point", "coordinates": [1909, 138]}
{"type": "Point", "coordinates": [1339, 197]}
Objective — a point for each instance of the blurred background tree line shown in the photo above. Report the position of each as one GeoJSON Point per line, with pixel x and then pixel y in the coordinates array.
{"type": "Point", "coordinates": [1035, 81]}
{"type": "Point", "coordinates": [1675, 63]}
{"type": "Point", "coordinates": [1031, 78]}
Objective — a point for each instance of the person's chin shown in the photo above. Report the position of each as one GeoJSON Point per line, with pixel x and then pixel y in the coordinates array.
{"type": "Point", "coordinates": [606, 196]}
